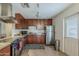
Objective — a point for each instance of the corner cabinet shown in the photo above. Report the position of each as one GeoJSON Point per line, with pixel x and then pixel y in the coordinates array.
{"type": "Point", "coordinates": [5, 9]}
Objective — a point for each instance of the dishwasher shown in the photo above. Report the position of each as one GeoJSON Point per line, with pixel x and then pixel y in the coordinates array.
{"type": "Point", "coordinates": [15, 48]}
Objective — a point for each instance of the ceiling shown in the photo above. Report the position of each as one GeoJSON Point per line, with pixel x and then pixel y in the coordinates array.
{"type": "Point", "coordinates": [46, 10]}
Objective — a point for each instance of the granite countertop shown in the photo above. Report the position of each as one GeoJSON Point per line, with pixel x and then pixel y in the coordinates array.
{"type": "Point", "coordinates": [9, 40]}
{"type": "Point", "coordinates": [6, 42]}
{"type": "Point", "coordinates": [3, 45]}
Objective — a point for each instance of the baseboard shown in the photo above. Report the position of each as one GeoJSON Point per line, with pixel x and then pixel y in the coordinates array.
{"type": "Point", "coordinates": [64, 53]}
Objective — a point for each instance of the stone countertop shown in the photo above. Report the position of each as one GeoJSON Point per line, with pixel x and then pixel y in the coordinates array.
{"type": "Point", "coordinates": [9, 40]}
{"type": "Point", "coordinates": [3, 45]}
{"type": "Point", "coordinates": [6, 42]}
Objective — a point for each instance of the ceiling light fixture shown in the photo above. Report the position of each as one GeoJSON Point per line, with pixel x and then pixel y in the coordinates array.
{"type": "Point", "coordinates": [37, 14]}
{"type": "Point", "coordinates": [25, 5]}
{"type": "Point", "coordinates": [38, 5]}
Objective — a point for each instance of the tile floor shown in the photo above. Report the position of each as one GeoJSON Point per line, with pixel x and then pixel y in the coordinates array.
{"type": "Point", "coordinates": [48, 51]}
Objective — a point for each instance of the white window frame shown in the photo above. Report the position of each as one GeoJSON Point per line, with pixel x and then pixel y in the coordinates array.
{"type": "Point", "coordinates": [72, 31]}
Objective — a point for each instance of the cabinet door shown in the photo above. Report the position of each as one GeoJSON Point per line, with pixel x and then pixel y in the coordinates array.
{"type": "Point", "coordinates": [20, 20]}
{"type": "Point", "coordinates": [40, 39]}
{"type": "Point", "coordinates": [26, 23]}
{"type": "Point", "coordinates": [35, 22]}
{"type": "Point", "coordinates": [22, 23]}
{"type": "Point", "coordinates": [35, 39]}
{"type": "Point", "coordinates": [30, 39]}
{"type": "Point", "coordinates": [5, 51]}
{"type": "Point", "coordinates": [45, 22]}
{"type": "Point", "coordinates": [49, 21]}
{"type": "Point", "coordinates": [16, 26]}
{"type": "Point", "coordinates": [38, 22]}
{"type": "Point", "coordinates": [31, 22]}
{"type": "Point", "coordinates": [19, 26]}
{"type": "Point", "coordinates": [42, 22]}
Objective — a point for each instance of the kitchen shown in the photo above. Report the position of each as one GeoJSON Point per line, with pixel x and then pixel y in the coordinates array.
{"type": "Point", "coordinates": [17, 32]}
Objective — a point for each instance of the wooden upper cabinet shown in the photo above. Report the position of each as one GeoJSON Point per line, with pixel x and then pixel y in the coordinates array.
{"type": "Point", "coordinates": [24, 23]}
{"type": "Point", "coordinates": [38, 22]}
{"type": "Point", "coordinates": [20, 19]}
{"type": "Point", "coordinates": [45, 22]}
{"type": "Point", "coordinates": [29, 22]}
{"type": "Point", "coordinates": [42, 22]}
{"type": "Point", "coordinates": [49, 21]}
{"type": "Point", "coordinates": [18, 26]}
{"type": "Point", "coordinates": [34, 22]}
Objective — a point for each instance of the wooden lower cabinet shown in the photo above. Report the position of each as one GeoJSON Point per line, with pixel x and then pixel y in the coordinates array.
{"type": "Point", "coordinates": [36, 39]}
{"type": "Point", "coordinates": [41, 39]}
{"type": "Point", "coordinates": [5, 51]}
{"type": "Point", "coordinates": [30, 39]}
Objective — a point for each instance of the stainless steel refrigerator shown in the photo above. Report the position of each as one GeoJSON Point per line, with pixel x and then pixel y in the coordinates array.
{"type": "Point", "coordinates": [50, 35]}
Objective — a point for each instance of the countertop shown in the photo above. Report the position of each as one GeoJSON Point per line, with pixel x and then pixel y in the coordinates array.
{"type": "Point", "coordinates": [8, 41]}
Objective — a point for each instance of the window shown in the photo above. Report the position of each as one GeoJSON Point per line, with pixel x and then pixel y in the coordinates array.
{"type": "Point", "coordinates": [0, 28]}
{"type": "Point", "coordinates": [71, 26]}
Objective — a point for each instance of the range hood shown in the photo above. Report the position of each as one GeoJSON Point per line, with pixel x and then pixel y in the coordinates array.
{"type": "Point", "coordinates": [7, 19]}
{"type": "Point", "coordinates": [6, 13]}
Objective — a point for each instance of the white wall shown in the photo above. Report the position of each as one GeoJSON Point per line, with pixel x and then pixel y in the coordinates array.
{"type": "Point", "coordinates": [8, 29]}
{"type": "Point", "coordinates": [2, 28]}
{"type": "Point", "coordinates": [70, 45]}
